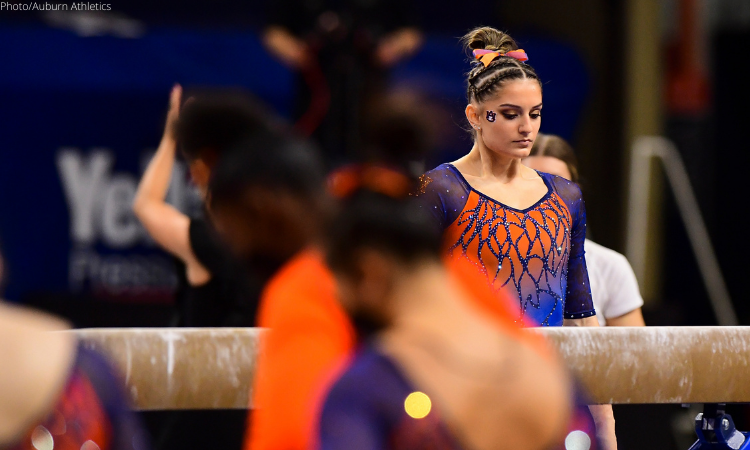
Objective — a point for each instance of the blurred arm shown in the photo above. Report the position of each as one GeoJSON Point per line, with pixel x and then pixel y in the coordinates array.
{"type": "Point", "coordinates": [585, 322]}
{"type": "Point", "coordinates": [288, 48]}
{"type": "Point", "coordinates": [632, 319]}
{"type": "Point", "coordinates": [164, 223]}
{"type": "Point", "coordinates": [398, 46]}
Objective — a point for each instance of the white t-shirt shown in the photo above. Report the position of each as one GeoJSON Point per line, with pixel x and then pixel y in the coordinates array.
{"type": "Point", "coordinates": [614, 288]}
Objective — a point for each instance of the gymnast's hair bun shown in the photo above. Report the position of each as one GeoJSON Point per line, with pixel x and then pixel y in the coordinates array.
{"type": "Point", "coordinates": [488, 38]}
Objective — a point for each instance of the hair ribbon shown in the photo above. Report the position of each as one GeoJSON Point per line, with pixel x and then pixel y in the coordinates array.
{"type": "Point", "coordinates": [487, 56]}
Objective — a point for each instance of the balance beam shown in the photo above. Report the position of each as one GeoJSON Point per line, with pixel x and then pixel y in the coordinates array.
{"type": "Point", "coordinates": [212, 368]}
{"type": "Point", "coordinates": [181, 368]}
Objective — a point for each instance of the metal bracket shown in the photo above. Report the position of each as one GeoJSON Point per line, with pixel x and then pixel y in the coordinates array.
{"type": "Point", "coordinates": [716, 431]}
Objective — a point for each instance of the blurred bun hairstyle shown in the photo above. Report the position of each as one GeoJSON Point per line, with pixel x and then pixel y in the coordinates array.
{"type": "Point", "coordinates": [271, 161]}
{"type": "Point", "coordinates": [401, 131]}
{"type": "Point", "coordinates": [214, 121]}
{"type": "Point", "coordinates": [483, 82]}
{"type": "Point", "coordinates": [556, 147]}
{"type": "Point", "coordinates": [390, 224]}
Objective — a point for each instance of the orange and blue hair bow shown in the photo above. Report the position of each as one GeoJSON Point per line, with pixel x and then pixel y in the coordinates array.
{"type": "Point", "coordinates": [487, 56]}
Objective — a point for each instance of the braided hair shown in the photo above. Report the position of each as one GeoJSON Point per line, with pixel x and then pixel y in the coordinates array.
{"type": "Point", "coordinates": [483, 82]}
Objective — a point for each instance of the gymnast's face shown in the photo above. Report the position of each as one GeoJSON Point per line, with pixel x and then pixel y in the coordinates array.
{"type": "Point", "coordinates": [265, 227]}
{"type": "Point", "coordinates": [508, 123]}
{"type": "Point", "coordinates": [365, 287]}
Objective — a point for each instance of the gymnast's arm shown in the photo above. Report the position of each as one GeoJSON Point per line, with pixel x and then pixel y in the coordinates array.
{"type": "Point", "coordinates": [285, 46]}
{"type": "Point", "coordinates": [166, 225]}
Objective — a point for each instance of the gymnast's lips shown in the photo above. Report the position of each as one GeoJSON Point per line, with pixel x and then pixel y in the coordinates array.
{"type": "Point", "coordinates": [524, 142]}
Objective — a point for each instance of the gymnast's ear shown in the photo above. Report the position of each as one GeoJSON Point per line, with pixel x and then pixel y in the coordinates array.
{"type": "Point", "coordinates": [472, 115]}
{"type": "Point", "coordinates": [200, 173]}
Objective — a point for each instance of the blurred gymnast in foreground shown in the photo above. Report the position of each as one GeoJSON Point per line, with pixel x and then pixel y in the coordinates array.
{"type": "Point", "coordinates": [55, 393]}
{"type": "Point", "coordinates": [614, 287]}
{"type": "Point", "coordinates": [442, 368]}
{"type": "Point", "coordinates": [269, 201]}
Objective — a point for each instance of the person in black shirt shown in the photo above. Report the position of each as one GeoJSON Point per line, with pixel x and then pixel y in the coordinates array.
{"type": "Point", "coordinates": [215, 289]}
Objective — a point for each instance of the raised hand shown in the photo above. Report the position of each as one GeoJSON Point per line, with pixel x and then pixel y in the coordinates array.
{"type": "Point", "coordinates": [175, 98]}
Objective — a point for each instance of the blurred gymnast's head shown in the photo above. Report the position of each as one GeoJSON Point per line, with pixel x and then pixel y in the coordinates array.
{"type": "Point", "coordinates": [377, 241]}
{"type": "Point", "coordinates": [267, 198]}
{"type": "Point", "coordinates": [210, 123]}
{"type": "Point", "coordinates": [504, 94]}
{"type": "Point", "coordinates": [552, 154]}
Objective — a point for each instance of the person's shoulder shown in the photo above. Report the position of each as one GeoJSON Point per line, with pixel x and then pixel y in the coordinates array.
{"type": "Point", "coordinates": [568, 191]}
{"type": "Point", "coordinates": [368, 372]}
{"type": "Point", "coordinates": [563, 186]}
{"type": "Point", "coordinates": [307, 267]}
{"type": "Point", "coordinates": [303, 287]}
{"type": "Point", "coordinates": [441, 177]}
{"type": "Point", "coordinates": [604, 256]}
{"type": "Point", "coordinates": [442, 169]}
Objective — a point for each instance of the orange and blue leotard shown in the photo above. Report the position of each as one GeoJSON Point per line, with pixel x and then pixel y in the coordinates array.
{"type": "Point", "coordinates": [536, 254]}
{"type": "Point", "coordinates": [92, 412]}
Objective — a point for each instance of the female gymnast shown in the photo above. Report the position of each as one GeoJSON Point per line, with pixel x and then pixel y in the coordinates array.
{"type": "Point", "coordinates": [614, 287]}
{"type": "Point", "coordinates": [55, 393]}
{"type": "Point", "coordinates": [442, 369]}
{"type": "Point", "coordinates": [523, 230]}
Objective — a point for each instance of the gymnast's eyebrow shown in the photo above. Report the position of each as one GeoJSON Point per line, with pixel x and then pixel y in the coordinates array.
{"type": "Point", "coordinates": [509, 105]}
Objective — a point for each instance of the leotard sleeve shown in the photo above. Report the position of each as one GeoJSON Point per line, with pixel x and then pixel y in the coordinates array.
{"type": "Point", "coordinates": [578, 300]}
{"type": "Point", "coordinates": [443, 194]}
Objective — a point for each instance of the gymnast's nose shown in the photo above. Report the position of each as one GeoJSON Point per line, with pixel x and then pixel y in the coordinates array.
{"type": "Point", "coordinates": [525, 127]}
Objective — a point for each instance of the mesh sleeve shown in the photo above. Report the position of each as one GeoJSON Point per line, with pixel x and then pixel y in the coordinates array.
{"type": "Point", "coordinates": [443, 194]}
{"type": "Point", "coordinates": [578, 300]}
